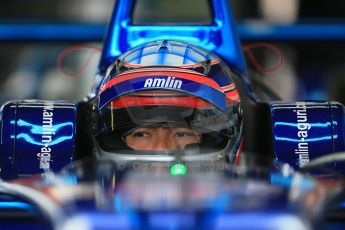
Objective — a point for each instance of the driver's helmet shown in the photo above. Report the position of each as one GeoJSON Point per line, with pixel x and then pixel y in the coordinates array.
{"type": "Point", "coordinates": [168, 99]}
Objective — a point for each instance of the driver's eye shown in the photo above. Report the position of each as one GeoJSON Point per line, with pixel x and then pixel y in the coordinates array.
{"type": "Point", "coordinates": [141, 134]}
{"type": "Point", "coordinates": [184, 134]}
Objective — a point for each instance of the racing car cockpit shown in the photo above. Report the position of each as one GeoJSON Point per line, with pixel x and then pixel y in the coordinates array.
{"type": "Point", "coordinates": [178, 107]}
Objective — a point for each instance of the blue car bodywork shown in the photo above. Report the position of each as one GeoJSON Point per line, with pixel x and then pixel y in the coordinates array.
{"type": "Point", "coordinates": [219, 37]}
{"type": "Point", "coordinates": [273, 199]}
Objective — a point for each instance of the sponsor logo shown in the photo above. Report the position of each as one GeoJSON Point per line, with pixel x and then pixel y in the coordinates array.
{"type": "Point", "coordinates": [303, 127]}
{"type": "Point", "coordinates": [48, 131]}
{"type": "Point", "coordinates": [169, 82]}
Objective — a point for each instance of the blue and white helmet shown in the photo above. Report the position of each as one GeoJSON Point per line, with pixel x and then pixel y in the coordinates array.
{"type": "Point", "coordinates": [169, 86]}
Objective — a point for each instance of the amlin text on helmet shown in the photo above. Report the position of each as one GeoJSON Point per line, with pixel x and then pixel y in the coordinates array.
{"type": "Point", "coordinates": [47, 135]}
{"type": "Point", "coordinates": [302, 132]}
{"type": "Point", "coordinates": [169, 82]}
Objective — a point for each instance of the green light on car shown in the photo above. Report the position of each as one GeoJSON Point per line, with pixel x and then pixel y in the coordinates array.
{"type": "Point", "coordinates": [178, 169]}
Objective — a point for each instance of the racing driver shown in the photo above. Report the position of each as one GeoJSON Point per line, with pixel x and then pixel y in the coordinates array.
{"type": "Point", "coordinates": [166, 98]}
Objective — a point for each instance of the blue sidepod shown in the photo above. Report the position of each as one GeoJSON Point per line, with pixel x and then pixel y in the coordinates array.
{"type": "Point", "coordinates": [303, 131]}
{"type": "Point", "coordinates": [36, 136]}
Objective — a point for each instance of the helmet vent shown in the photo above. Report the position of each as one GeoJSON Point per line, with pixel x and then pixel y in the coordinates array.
{"type": "Point", "coordinates": [164, 47]}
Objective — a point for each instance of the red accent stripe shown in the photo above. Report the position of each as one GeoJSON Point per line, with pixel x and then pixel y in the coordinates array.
{"type": "Point", "coordinates": [228, 87]}
{"type": "Point", "coordinates": [233, 95]}
{"type": "Point", "coordinates": [188, 76]}
{"type": "Point", "coordinates": [186, 101]}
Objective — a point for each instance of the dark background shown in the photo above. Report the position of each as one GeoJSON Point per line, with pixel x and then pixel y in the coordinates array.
{"type": "Point", "coordinates": [313, 69]}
